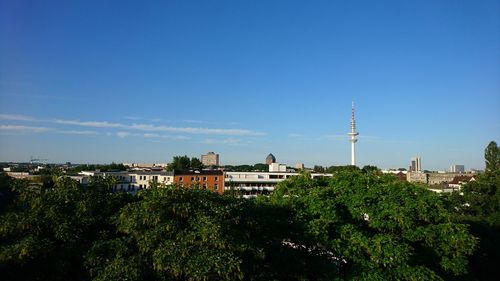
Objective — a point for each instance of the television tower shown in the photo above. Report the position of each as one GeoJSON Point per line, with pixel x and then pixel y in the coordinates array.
{"type": "Point", "coordinates": [353, 137]}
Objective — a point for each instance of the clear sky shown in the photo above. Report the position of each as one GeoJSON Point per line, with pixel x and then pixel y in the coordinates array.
{"type": "Point", "coordinates": [142, 81]}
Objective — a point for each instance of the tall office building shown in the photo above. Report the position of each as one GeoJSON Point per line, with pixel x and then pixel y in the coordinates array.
{"type": "Point", "coordinates": [270, 159]}
{"type": "Point", "coordinates": [353, 137]}
{"type": "Point", "coordinates": [210, 159]}
{"type": "Point", "coordinates": [416, 164]}
{"type": "Point", "coordinates": [457, 168]}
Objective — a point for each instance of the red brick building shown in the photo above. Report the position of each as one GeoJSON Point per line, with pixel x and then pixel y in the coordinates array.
{"type": "Point", "coordinates": [211, 180]}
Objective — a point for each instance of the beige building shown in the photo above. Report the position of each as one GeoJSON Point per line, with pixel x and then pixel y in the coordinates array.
{"type": "Point", "coordinates": [210, 159]}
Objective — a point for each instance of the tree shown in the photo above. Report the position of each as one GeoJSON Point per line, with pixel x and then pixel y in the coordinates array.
{"type": "Point", "coordinates": [196, 164]}
{"type": "Point", "coordinates": [47, 231]}
{"type": "Point", "coordinates": [377, 228]}
{"type": "Point", "coordinates": [192, 234]}
{"type": "Point", "coordinates": [371, 169]}
{"type": "Point", "coordinates": [492, 157]}
{"type": "Point", "coordinates": [183, 163]}
{"type": "Point", "coordinates": [261, 167]}
{"type": "Point", "coordinates": [180, 163]}
{"type": "Point", "coordinates": [319, 169]}
{"type": "Point", "coordinates": [478, 205]}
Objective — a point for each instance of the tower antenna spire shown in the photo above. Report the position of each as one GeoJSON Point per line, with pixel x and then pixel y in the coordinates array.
{"type": "Point", "coordinates": [353, 137]}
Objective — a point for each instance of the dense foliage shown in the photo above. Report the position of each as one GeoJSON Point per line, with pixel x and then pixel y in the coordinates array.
{"type": "Point", "coordinates": [184, 163]}
{"type": "Point", "coordinates": [93, 167]}
{"type": "Point", "coordinates": [478, 205]}
{"type": "Point", "coordinates": [357, 226]}
{"type": "Point", "coordinates": [258, 167]}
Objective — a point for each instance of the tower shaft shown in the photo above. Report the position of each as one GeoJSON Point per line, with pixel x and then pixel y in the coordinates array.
{"type": "Point", "coordinates": [353, 137]}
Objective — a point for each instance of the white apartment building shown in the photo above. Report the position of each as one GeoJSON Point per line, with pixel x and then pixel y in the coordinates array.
{"type": "Point", "coordinates": [132, 181]}
{"type": "Point", "coordinates": [251, 184]}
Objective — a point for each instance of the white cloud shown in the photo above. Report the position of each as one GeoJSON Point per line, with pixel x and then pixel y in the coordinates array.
{"type": "Point", "coordinates": [23, 129]}
{"type": "Point", "coordinates": [148, 135]}
{"type": "Point", "coordinates": [228, 141]}
{"type": "Point", "coordinates": [16, 117]}
{"type": "Point", "coordinates": [123, 134]}
{"type": "Point", "coordinates": [76, 132]}
{"type": "Point", "coordinates": [151, 135]}
{"type": "Point", "coordinates": [95, 124]}
{"type": "Point", "coordinates": [140, 127]}
{"type": "Point", "coordinates": [193, 130]}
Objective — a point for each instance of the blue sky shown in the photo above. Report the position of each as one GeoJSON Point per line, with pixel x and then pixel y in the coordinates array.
{"type": "Point", "coordinates": [142, 81]}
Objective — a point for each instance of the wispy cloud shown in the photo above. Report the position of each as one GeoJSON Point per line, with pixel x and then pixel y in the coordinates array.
{"type": "Point", "coordinates": [138, 126]}
{"type": "Point", "coordinates": [76, 132]}
{"type": "Point", "coordinates": [175, 137]}
{"type": "Point", "coordinates": [123, 134]}
{"type": "Point", "coordinates": [135, 118]}
{"type": "Point", "coordinates": [228, 141]}
{"type": "Point", "coordinates": [16, 117]}
{"type": "Point", "coordinates": [23, 129]}
{"type": "Point", "coordinates": [95, 124]}
{"type": "Point", "coordinates": [194, 130]}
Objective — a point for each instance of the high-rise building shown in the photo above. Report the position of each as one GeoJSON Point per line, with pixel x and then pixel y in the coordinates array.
{"type": "Point", "coordinates": [353, 137]}
{"type": "Point", "coordinates": [210, 159]}
{"type": "Point", "coordinates": [457, 168]}
{"type": "Point", "coordinates": [270, 159]}
{"type": "Point", "coordinates": [416, 164]}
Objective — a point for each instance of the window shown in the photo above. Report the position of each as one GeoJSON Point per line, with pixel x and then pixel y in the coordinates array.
{"type": "Point", "coordinates": [192, 178]}
{"type": "Point", "coordinates": [180, 178]}
{"type": "Point", "coordinates": [204, 178]}
{"type": "Point", "coordinates": [216, 178]}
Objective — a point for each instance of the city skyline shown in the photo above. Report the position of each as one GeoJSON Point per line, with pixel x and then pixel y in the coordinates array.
{"type": "Point", "coordinates": [122, 82]}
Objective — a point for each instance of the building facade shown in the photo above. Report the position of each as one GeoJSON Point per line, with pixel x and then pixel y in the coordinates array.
{"type": "Point", "coordinates": [416, 164]}
{"type": "Point", "coordinates": [211, 180]}
{"type": "Point", "coordinates": [270, 159]}
{"type": "Point", "coordinates": [210, 159]}
{"type": "Point", "coordinates": [251, 184]}
{"type": "Point", "coordinates": [457, 169]}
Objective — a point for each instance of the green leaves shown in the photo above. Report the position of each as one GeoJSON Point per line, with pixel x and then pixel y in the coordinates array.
{"type": "Point", "coordinates": [381, 227]}
{"type": "Point", "coordinates": [358, 225]}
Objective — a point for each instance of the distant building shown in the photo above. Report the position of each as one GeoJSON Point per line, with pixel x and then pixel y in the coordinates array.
{"type": "Point", "coordinates": [457, 182]}
{"type": "Point", "coordinates": [457, 169]}
{"type": "Point", "coordinates": [251, 184]}
{"type": "Point", "coordinates": [276, 167]}
{"type": "Point", "coordinates": [211, 180]}
{"type": "Point", "coordinates": [299, 166]}
{"type": "Point", "coordinates": [417, 177]}
{"type": "Point", "coordinates": [210, 159]}
{"type": "Point", "coordinates": [270, 159]}
{"type": "Point", "coordinates": [416, 164]}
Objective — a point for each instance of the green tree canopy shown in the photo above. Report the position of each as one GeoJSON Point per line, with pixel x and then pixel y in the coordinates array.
{"type": "Point", "coordinates": [184, 163]}
{"type": "Point", "coordinates": [492, 157]}
{"type": "Point", "coordinates": [378, 228]}
{"type": "Point", "coordinates": [46, 231]}
{"type": "Point", "coordinates": [356, 226]}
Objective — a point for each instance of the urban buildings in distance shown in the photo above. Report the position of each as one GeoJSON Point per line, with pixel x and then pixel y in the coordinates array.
{"type": "Point", "coordinates": [270, 159]}
{"type": "Point", "coordinates": [457, 168]}
{"type": "Point", "coordinates": [416, 164]}
{"type": "Point", "coordinates": [210, 159]}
